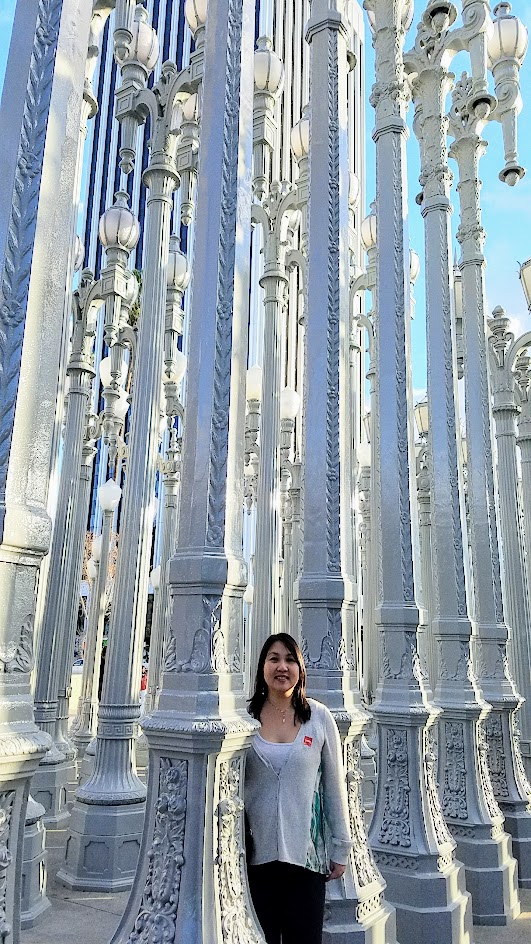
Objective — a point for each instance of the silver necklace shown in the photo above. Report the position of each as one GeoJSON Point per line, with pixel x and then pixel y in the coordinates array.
{"type": "Point", "coordinates": [282, 711]}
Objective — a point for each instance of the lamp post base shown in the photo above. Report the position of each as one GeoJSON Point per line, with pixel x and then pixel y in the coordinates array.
{"type": "Point", "coordinates": [340, 928]}
{"type": "Point", "coordinates": [49, 788]}
{"type": "Point", "coordinates": [491, 875]}
{"type": "Point", "coordinates": [518, 825]}
{"type": "Point", "coordinates": [102, 847]}
{"type": "Point", "coordinates": [34, 901]}
{"type": "Point", "coordinates": [445, 913]}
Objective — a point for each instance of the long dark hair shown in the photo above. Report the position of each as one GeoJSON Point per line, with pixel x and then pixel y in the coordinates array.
{"type": "Point", "coordinates": [298, 699]}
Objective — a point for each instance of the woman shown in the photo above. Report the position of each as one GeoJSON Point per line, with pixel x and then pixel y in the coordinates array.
{"type": "Point", "coordinates": [295, 799]}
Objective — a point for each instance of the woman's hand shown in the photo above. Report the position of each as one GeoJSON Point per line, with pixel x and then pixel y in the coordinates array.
{"type": "Point", "coordinates": [336, 871]}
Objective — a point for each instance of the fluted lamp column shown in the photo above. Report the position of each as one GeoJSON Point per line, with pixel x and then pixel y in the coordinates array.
{"type": "Point", "coordinates": [192, 882]}
{"type": "Point", "coordinates": [50, 780]}
{"type": "Point", "coordinates": [504, 350]}
{"type": "Point", "coordinates": [110, 804]}
{"type": "Point", "coordinates": [466, 120]}
{"type": "Point", "coordinates": [109, 496]}
{"type": "Point", "coordinates": [409, 838]}
{"type": "Point", "coordinates": [174, 371]}
{"type": "Point", "coordinates": [322, 588]}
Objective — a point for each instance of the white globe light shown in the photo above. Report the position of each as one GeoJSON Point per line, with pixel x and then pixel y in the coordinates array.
{"type": "Point", "coordinates": [96, 547]}
{"type": "Point", "coordinates": [363, 454]}
{"type": "Point", "coordinates": [176, 375]}
{"type": "Point", "coordinates": [121, 405]}
{"type": "Point", "coordinates": [414, 266]}
{"type": "Point", "coordinates": [268, 68]}
{"type": "Point", "coordinates": [289, 404]}
{"type": "Point", "coordinates": [509, 36]}
{"type": "Point", "coordinates": [105, 372]}
{"type": "Point", "coordinates": [145, 44]}
{"type": "Point", "coordinates": [195, 12]}
{"type": "Point", "coordinates": [79, 253]}
{"type": "Point", "coordinates": [155, 577]}
{"type": "Point", "coordinates": [254, 383]}
{"type": "Point", "coordinates": [92, 569]}
{"type": "Point", "coordinates": [190, 108]}
{"type": "Point", "coordinates": [248, 595]}
{"type": "Point", "coordinates": [178, 275]}
{"type": "Point", "coordinates": [119, 227]}
{"type": "Point", "coordinates": [109, 495]}
{"type": "Point", "coordinates": [300, 136]}
{"type": "Point", "coordinates": [368, 232]}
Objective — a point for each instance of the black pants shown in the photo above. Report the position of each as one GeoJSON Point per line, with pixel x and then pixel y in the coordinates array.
{"type": "Point", "coordinates": [289, 902]}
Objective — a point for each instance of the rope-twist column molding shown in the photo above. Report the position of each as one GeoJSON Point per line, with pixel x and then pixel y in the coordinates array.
{"type": "Point", "coordinates": [504, 351]}
{"type": "Point", "coordinates": [409, 838]}
{"type": "Point", "coordinates": [199, 731]}
{"type": "Point", "coordinates": [510, 785]}
{"type": "Point", "coordinates": [324, 585]}
{"type": "Point", "coordinates": [470, 810]}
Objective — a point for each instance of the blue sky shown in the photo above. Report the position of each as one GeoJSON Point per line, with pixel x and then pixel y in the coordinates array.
{"type": "Point", "coordinates": [506, 211]}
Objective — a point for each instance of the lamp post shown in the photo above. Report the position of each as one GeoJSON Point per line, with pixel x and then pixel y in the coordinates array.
{"type": "Point", "coordinates": [174, 370]}
{"type": "Point", "coordinates": [109, 496]}
{"type": "Point", "coordinates": [466, 121]}
{"type": "Point", "coordinates": [523, 372]}
{"type": "Point", "coordinates": [407, 824]}
{"type": "Point", "coordinates": [112, 802]}
{"type": "Point", "coordinates": [466, 794]}
{"type": "Point", "coordinates": [49, 784]}
{"type": "Point", "coordinates": [504, 351]}
{"type": "Point", "coordinates": [192, 880]}
{"type": "Point", "coordinates": [323, 589]}
{"type": "Point", "coordinates": [278, 217]}
{"type": "Point", "coordinates": [289, 408]}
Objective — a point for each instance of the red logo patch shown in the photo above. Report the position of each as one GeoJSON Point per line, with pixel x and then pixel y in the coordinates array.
{"type": "Point", "coordinates": [308, 741]}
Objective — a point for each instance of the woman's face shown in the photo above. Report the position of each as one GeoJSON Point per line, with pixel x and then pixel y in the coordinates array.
{"type": "Point", "coordinates": [281, 670]}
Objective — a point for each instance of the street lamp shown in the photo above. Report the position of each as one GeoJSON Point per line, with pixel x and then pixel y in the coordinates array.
{"type": "Point", "coordinates": [525, 278]}
{"type": "Point", "coordinates": [422, 417]}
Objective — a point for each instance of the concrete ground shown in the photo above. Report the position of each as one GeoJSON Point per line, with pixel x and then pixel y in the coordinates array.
{"type": "Point", "coordinates": [92, 917]}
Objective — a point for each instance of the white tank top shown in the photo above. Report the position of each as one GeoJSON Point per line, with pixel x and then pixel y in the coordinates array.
{"type": "Point", "coordinates": [276, 754]}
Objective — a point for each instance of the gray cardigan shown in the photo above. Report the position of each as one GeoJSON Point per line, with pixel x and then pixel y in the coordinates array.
{"type": "Point", "coordinates": [300, 815]}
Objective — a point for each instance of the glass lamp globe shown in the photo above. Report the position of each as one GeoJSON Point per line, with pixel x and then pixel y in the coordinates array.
{"type": "Point", "coordinates": [178, 275]}
{"type": "Point", "coordinates": [109, 495]}
{"type": "Point", "coordinates": [119, 228]}
{"type": "Point", "coordinates": [248, 595]}
{"type": "Point", "coordinates": [145, 43]}
{"type": "Point", "coordinates": [422, 417]}
{"type": "Point", "coordinates": [368, 232]}
{"type": "Point", "coordinates": [105, 372]}
{"type": "Point", "coordinates": [290, 403]}
{"type": "Point", "coordinates": [155, 577]}
{"type": "Point", "coordinates": [79, 253]}
{"type": "Point", "coordinates": [121, 406]}
{"type": "Point", "coordinates": [414, 266]}
{"type": "Point", "coordinates": [96, 548]}
{"type": "Point", "coordinates": [509, 36]}
{"type": "Point", "coordinates": [190, 108]}
{"type": "Point", "coordinates": [253, 389]}
{"type": "Point", "coordinates": [92, 569]}
{"type": "Point", "coordinates": [300, 136]}
{"type": "Point", "coordinates": [525, 279]}
{"type": "Point", "coordinates": [179, 368]}
{"type": "Point", "coordinates": [195, 12]}
{"type": "Point", "coordinates": [353, 189]}
{"type": "Point", "coordinates": [363, 454]}
{"type": "Point", "coordinates": [268, 68]}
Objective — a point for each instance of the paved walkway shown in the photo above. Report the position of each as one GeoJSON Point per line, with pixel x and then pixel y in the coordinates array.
{"type": "Point", "coordinates": [92, 917]}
